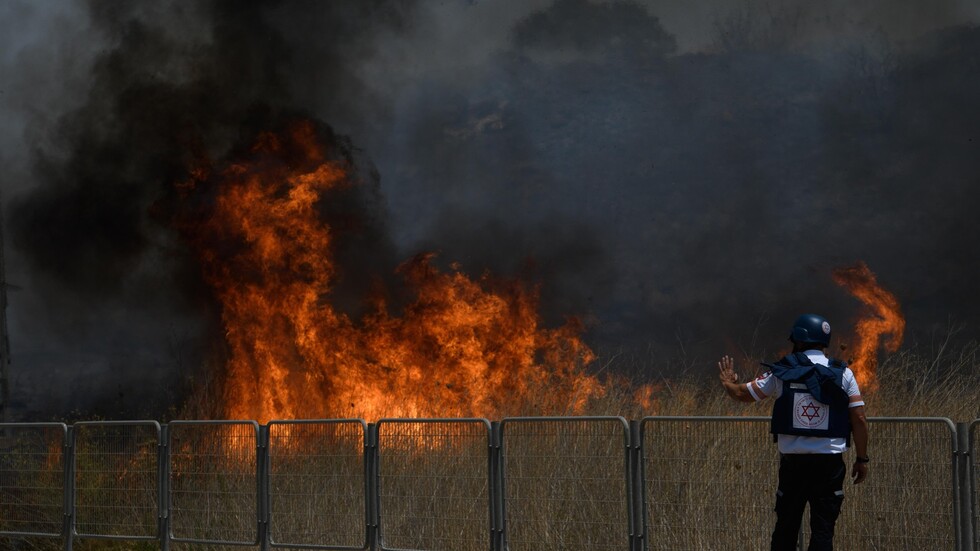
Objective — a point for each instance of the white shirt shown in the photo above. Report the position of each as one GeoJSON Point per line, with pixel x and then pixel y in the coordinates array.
{"type": "Point", "coordinates": [767, 385]}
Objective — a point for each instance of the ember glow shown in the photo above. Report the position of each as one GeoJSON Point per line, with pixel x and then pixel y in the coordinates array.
{"type": "Point", "coordinates": [883, 322]}
{"type": "Point", "coordinates": [458, 347]}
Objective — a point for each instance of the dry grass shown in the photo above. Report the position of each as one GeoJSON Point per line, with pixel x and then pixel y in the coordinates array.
{"type": "Point", "coordinates": [709, 485]}
{"type": "Point", "coordinates": [940, 383]}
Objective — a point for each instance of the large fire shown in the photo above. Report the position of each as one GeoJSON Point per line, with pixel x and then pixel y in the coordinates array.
{"type": "Point", "coordinates": [459, 347]}
{"type": "Point", "coordinates": [884, 319]}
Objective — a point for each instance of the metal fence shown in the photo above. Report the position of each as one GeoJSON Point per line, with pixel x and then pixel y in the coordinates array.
{"type": "Point", "coordinates": [678, 483]}
{"type": "Point", "coordinates": [34, 499]}
{"type": "Point", "coordinates": [317, 484]}
{"type": "Point", "coordinates": [912, 503]}
{"type": "Point", "coordinates": [117, 480]}
{"type": "Point", "coordinates": [708, 482]}
{"type": "Point", "coordinates": [567, 483]}
{"type": "Point", "coordinates": [213, 482]}
{"type": "Point", "coordinates": [434, 484]}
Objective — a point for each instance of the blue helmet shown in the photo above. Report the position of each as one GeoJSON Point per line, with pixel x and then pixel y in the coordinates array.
{"type": "Point", "coordinates": [811, 329]}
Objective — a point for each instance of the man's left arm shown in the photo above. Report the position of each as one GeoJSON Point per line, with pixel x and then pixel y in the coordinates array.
{"type": "Point", "coordinates": [859, 430]}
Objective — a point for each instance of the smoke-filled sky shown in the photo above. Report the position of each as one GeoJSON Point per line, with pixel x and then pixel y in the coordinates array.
{"type": "Point", "coordinates": [682, 174]}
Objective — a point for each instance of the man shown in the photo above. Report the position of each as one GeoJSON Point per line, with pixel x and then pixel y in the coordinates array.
{"type": "Point", "coordinates": [817, 409]}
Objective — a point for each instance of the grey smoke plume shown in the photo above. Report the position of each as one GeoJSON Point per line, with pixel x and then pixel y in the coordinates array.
{"type": "Point", "coordinates": [172, 82]}
{"type": "Point", "coordinates": [684, 176]}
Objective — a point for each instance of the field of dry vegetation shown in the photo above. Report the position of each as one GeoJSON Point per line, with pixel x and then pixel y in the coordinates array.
{"type": "Point", "coordinates": [708, 483]}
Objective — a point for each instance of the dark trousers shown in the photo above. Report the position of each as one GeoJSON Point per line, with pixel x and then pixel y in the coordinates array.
{"type": "Point", "coordinates": [819, 480]}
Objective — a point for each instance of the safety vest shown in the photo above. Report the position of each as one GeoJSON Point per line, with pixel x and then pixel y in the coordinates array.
{"type": "Point", "coordinates": [813, 401]}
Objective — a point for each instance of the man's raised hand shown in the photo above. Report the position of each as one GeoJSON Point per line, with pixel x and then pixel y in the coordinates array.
{"type": "Point", "coordinates": [726, 370]}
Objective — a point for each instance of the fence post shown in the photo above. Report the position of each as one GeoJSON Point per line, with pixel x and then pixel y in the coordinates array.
{"type": "Point", "coordinates": [163, 487]}
{"type": "Point", "coordinates": [637, 511]}
{"type": "Point", "coordinates": [963, 474]}
{"type": "Point", "coordinates": [501, 488]}
{"type": "Point", "coordinates": [371, 497]}
{"type": "Point", "coordinates": [496, 490]}
{"type": "Point", "coordinates": [68, 456]}
{"type": "Point", "coordinates": [262, 481]}
{"type": "Point", "coordinates": [972, 488]}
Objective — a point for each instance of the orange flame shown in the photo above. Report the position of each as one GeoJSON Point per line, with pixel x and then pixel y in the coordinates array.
{"type": "Point", "coordinates": [461, 347]}
{"type": "Point", "coordinates": [883, 319]}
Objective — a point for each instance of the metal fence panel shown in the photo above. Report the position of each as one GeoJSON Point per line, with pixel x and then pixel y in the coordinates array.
{"type": "Point", "coordinates": [709, 482]}
{"type": "Point", "coordinates": [434, 484]}
{"type": "Point", "coordinates": [317, 484]}
{"type": "Point", "coordinates": [566, 483]}
{"type": "Point", "coordinates": [32, 479]}
{"type": "Point", "coordinates": [117, 479]}
{"type": "Point", "coordinates": [907, 502]}
{"type": "Point", "coordinates": [213, 480]}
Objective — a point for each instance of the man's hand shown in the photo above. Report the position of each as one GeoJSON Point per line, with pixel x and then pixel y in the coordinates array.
{"type": "Point", "coordinates": [859, 472]}
{"type": "Point", "coordinates": [729, 380]}
{"type": "Point", "coordinates": [726, 370]}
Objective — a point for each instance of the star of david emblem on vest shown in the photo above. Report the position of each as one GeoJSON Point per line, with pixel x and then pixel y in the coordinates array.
{"type": "Point", "coordinates": [809, 413]}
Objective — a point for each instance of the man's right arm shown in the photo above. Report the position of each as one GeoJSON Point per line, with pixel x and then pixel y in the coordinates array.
{"type": "Point", "coordinates": [729, 379]}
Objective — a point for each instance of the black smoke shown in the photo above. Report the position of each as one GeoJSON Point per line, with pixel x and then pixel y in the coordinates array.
{"type": "Point", "coordinates": [684, 178]}
{"type": "Point", "coordinates": [193, 82]}
{"type": "Point", "coordinates": [719, 187]}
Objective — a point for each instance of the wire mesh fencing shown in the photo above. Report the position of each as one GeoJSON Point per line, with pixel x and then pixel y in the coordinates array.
{"type": "Point", "coordinates": [213, 482]}
{"type": "Point", "coordinates": [434, 485]}
{"type": "Point", "coordinates": [317, 484]}
{"type": "Point", "coordinates": [678, 483]}
{"type": "Point", "coordinates": [566, 483]}
{"type": "Point", "coordinates": [117, 479]}
{"type": "Point", "coordinates": [907, 502]}
{"type": "Point", "coordinates": [32, 479]}
{"type": "Point", "coordinates": [708, 482]}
